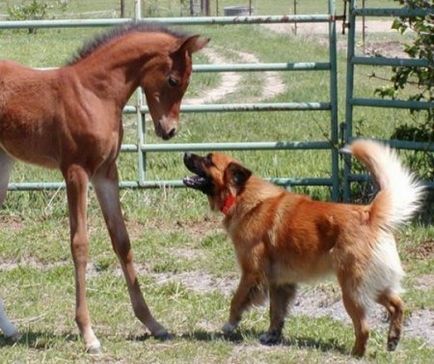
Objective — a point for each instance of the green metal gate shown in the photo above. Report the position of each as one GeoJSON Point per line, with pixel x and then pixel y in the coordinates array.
{"type": "Point", "coordinates": [351, 101]}
{"type": "Point", "coordinates": [140, 109]}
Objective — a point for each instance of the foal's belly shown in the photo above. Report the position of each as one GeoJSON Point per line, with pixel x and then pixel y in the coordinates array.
{"type": "Point", "coordinates": [26, 144]}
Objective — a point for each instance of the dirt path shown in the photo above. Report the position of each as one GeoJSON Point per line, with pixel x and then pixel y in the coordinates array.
{"type": "Point", "coordinates": [270, 83]}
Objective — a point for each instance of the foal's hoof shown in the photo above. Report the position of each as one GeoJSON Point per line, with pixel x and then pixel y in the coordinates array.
{"type": "Point", "coordinates": [15, 337]}
{"type": "Point", "coordinates": [94, 349]}
{"type": "Point", "coordinates": [392, 343]}
{"type": "Point", "coordinates": [270, 338]}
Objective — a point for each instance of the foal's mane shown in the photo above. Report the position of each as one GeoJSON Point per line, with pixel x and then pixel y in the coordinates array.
{"type": "Point", "coordinates": [117, 32]}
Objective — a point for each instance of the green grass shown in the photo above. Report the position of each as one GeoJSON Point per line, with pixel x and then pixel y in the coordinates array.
{"type": "Point", "coordinates": [173, 233]}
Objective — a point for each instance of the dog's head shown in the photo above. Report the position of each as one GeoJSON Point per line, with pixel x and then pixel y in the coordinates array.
{"type": "Point", "coordinates": [218, 176]}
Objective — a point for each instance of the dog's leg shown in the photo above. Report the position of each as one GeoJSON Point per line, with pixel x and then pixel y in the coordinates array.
{"type": "Point", "coordinates": [107, 191]}
{"type": "Point", "coordinates": [280, 297]}
{"type": "Point", "coordinates": [76, 186]}
{"type": "Point", "coordinates": [395, 307]}
{"type": "Point", "coordinates": [357, 313]}
{"type": "Point", "coordinates": [248, 291]}
{"type": "Point", "coordinates": [6, 162]}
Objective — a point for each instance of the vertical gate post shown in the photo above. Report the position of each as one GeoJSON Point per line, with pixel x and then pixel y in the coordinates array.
{"type": "Point", "coordinates": [140, 117]}
{"type": "Point", "coordinates": [334, 137]}
{"type": "Point", "coordinates": [348, 123]}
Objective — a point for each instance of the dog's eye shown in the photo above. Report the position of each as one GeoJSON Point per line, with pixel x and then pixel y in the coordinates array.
{"type": "Point", "coordinates": [172, 82]}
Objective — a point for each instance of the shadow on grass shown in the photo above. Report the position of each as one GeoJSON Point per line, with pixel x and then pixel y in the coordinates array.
{"type": "Point", "coordinates": [324, 345]}
{"type": "Point", "coordinates": [39, 339]}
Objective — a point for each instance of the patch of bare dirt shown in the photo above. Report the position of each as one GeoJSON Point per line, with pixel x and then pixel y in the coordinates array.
{"type": "Point", "coordinates": [424, 282]}
{"type": "Point", "coordinates": [199, 282]}
{"type": "Point", "coordinates": [12, 222]}
{"type": "Point", "coordinates": [424, 250]}
{"type": "Point", "coordinates": [385, 49]}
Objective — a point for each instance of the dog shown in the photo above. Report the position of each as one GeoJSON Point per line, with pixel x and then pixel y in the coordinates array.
{"type": "Point", "coordinates": [282, 238]}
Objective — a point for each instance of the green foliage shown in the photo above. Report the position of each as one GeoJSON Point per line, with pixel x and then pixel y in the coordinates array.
{"type": "Point", "coordinates": [34, 10]}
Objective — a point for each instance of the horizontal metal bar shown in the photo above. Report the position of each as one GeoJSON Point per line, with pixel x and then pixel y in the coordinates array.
{"type": "Point", "coordinates": [28, 186]}
{"type": "Point", "coordinates": [251, 67]}
{"type": "Point", "coordinates": [366, 178]}
{"type": "Point", "coordinates": [200, 20]}
{"type": "Point", "coordinates": [392, 12]}
{"type": "Point", "coordinates": [401, 104]}
{"type": "Point", "coordinates": [278, 106]}
{"type": "Point", "coordinates": [404, 144]}
{"type": "Point", "coordinates": [384, 61]}
{"type": "Point", "coordinates": [182, 147]}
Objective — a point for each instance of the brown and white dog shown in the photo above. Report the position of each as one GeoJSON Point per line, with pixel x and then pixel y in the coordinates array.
{"type": "Point", "coordinates": [282, 238]}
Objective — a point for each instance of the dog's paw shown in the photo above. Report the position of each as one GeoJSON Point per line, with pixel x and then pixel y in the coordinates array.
{"type": "Point", "coordinates": [228, 328]}
{"type": "Point", "coordinates": [270, 338]}
{"type": "Point", "coordinates": [163, 336]}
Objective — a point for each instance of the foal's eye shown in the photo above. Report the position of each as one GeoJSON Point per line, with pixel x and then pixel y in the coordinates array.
{"type": "Point", "coordinates": [172, 82]}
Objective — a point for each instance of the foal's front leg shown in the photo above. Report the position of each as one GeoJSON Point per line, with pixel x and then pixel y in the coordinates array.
{"type": "Point", "coordinates": [76, 186]}
{"type": "Point", "coordinates": [106, 187]}
{"type": "Point", "coordinates": [9, 330]}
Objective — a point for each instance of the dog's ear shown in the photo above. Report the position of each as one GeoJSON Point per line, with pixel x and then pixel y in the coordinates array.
{"type": "Point", "coordinates": [236, 174]}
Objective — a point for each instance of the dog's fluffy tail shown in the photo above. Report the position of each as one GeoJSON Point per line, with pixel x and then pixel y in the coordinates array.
{"type": "Point", "coordinates": [400, 193]}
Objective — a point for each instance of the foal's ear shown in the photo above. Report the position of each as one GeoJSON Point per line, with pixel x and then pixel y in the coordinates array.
{"type": "Point", "coordinates": [236, 174]}
{"type": "Point", "coordinates": [192, 44]}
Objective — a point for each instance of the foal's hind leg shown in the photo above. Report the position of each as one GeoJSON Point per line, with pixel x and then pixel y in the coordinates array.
{"type": "Point", "coordinates": [76, 186]}
{"type": "Point", "coordinates": [6, 162]}
{"type": "Point", "coordinates": [106, 187]}
{"type": "Point", "coordinates": [395, 307]}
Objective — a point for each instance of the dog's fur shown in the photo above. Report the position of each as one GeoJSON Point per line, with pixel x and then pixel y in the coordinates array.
{"type": "Point", "coordinates": [282, 238]}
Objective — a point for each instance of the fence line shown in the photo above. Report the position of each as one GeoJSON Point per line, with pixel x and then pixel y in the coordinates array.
{"type": "Point", "coordinates": [142, 148]}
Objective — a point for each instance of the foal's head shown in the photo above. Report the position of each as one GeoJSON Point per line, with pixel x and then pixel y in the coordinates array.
{"type": "Point", "coordinates": [161, 62]}
{"type": "Point", "coordinates": [165, 82]}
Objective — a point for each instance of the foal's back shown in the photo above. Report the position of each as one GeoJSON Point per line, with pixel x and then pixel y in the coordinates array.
{"type": "Point", "coordinates": [28, 108]}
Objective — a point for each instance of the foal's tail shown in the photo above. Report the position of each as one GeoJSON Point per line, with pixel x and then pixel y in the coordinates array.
{"type": "Point", "coordinates": [400, 194]}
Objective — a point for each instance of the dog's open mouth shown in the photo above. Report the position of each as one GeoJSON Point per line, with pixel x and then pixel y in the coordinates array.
{"type": "Point", "coordinates": [200, 181]}
{"type": "Point", "coordinates": [195, 181]}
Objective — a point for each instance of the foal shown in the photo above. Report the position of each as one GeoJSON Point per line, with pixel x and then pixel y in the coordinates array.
{"type": "Point", "coordinates": [70, 118]}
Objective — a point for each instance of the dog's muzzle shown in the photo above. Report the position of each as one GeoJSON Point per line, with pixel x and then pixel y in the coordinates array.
{"type": "Point", "coordinates": [200, 181]}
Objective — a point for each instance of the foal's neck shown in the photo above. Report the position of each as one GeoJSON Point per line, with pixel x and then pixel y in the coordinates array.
{"type": "Point", "coordinates": [117, 69]}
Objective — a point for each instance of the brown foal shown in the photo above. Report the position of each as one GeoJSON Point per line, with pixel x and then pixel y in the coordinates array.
{"type": "Point", "coordinates": [71, 118]}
